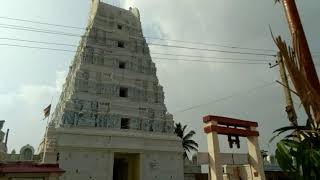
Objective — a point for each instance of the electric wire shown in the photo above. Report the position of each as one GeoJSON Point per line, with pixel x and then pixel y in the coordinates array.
{"type": "Point", "coordinates": [35, 47]}
{"type": "Point", "coordinates": [210, 44]}
{"type": "Point", "coordinates": [225, 97]}
{"type": "Point", "coordinates": [26, 28]}
{"type": "Point", "coordinates": [166, 54]}
{"type": "Point", "coordinates": [147, 37]}
{"type": "Point", "coordinates": [154, 44]}
{"type": "Point", "coordinates": [159, 58]}
{"type": "Point", "coordinates": [69, 34]}
{"type": "Point", "coordinates": [214, 50]}
{"type": "Point", "coordinates": [208, 57]}
{"type": "Point", "coordinates": [204, 61]}
{"type": "Point", "coordinates": [43, 23]}
{"type": "Point", "coordinates": [39, 42]}
{"type": "Point", "coordinates": [31, 29]}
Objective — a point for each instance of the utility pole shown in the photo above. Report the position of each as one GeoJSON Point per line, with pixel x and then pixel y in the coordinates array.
{"type": "Point", "coordinates": [292, 116]}
{"type": "Point", "coordinates": [298, 36]}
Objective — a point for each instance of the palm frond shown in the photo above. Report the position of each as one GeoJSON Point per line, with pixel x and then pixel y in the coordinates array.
{"type": "Point", "coordinates": [191, 147]}
{"type": "Point", "coordinates": [184, 128]}
{"type": "Point", "coordinates": [189, 135]}
{"type": "Point", "coordinates": [187, 143]}
{"type": "Point", "coordinates": [309, 97]}
{"type": "Point", "coordinates": [287, 128]}
{"type": "Point", "coordinates": [190, 142]}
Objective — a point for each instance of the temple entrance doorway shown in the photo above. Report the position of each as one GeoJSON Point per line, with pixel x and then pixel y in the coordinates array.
{"type": "Point", "coordinates": [126, 166]}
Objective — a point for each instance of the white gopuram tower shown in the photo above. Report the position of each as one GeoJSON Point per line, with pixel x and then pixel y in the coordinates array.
{"type": "Point", "coordinates": [111, 122]}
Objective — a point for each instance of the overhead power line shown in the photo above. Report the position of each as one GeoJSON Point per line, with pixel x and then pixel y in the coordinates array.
{"type": "Point", "coordinates": [43, 23]}
{"type": "Point", "coordinates": [39, 42]}
{"type": "Point", "coordinates": [225, 97]}
{"type": "Point", "coordinates": [159, 58]}
{"type": "Point", "coordinates": [209, 57]}
{"type": "Point", "coordinates": [147, 37]}
{"type": "Point", "coordinates": [167, 54]}
{"type": "Point", "coordinates": [214, 50]}
{"type": "Point", "coordinates": [25, 28]}
{"type": "Point", "coordinates": [34, 47]}
{"type": "Point", "coordinates": [31, 29]}
{"type": "Point", "coordinates": [211, 44]}
{"type": "Point", "coordinates": [207, 61]}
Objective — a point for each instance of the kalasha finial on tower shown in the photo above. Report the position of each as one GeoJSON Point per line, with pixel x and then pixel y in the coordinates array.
{"type": "Point", "coordinates": [135, 11]}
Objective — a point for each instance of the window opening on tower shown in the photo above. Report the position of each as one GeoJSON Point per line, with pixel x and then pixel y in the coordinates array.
{"type": "Point", "coordinates": [125, 122]}
{"type": "Point", "coordinates": [122, 65]}
{"type": "Point", "coordinates": [123, 92]}
{"type": "Point", "coordinates": [120, 44]}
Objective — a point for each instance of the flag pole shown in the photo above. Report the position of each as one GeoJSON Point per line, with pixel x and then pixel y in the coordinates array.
{"type": "Point", "coordinates": [46, 133]}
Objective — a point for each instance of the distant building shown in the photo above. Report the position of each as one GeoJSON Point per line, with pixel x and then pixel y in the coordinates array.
{"type": "Point", "coordinates": [111, 122]}
{"type": "Point", "coordinates": [24, 166]}
{"type": "Point", "coordinates": [273, 170]}
{"type": "Point", "coordinates": [29, 171]}
{"type": "Point", "coordinates": [26, 154]}
{"type": "Point", "coordinates": [191, 169]}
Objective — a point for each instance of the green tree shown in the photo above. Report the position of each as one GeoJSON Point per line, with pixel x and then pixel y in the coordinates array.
{"type": "Point", "coordinates": [187, 142]}
{"type": "Point", "coordinates": [299, 152]}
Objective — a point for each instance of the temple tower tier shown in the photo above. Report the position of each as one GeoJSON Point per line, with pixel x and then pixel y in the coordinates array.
{"type": "Point", "coordinates": [111, 121]}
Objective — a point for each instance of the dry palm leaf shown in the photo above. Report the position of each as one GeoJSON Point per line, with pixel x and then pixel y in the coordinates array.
{"type": "Point", "coordinates": [309, 97]}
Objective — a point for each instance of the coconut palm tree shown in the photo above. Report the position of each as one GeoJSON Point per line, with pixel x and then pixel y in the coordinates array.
{"type": "Point", "coordinates": [187, 142]}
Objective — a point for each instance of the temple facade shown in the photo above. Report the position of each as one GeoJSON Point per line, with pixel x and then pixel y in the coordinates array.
{"type": "Point", "coordinates": [111, 122]}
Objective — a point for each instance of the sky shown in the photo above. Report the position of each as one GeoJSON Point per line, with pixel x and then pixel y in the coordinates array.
{"type": "Point", "coordinates": [32, 78]}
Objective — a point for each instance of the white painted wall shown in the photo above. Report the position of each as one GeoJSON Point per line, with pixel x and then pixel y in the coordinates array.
{"type": "Point", "coordinates": [88, 153]}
